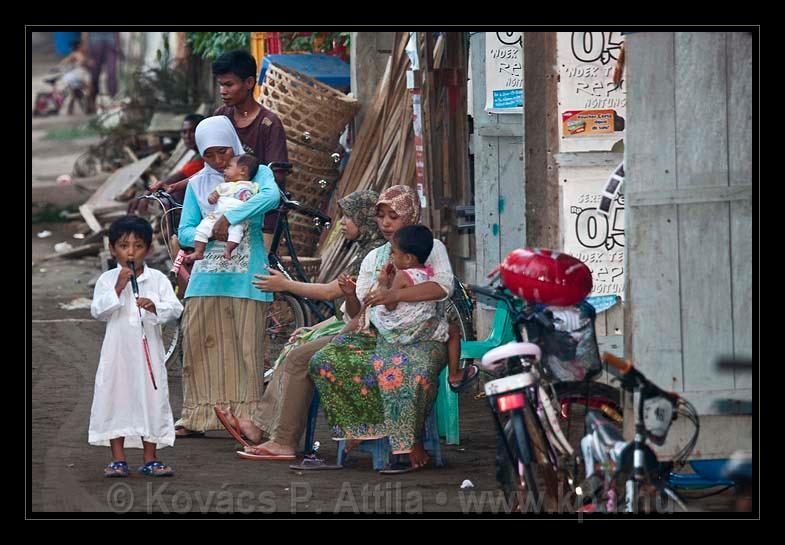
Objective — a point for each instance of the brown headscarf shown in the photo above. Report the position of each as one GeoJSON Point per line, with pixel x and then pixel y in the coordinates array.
{"type": "Point", "coordinates": [360, 207]}
{"type": "Point", "coordinates": [404, 201]}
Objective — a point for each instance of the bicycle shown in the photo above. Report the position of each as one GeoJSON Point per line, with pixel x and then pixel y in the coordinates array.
{"type": "Point", "coordinates": [50, 102]}
{"type": "Point", "coordinates": [531, 446]}
{"type": "Point", "coordinates": [627, 471]}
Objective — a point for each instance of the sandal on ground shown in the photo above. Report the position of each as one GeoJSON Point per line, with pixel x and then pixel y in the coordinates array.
{"type": "Point", "coordinates": [314, 463]}
{"type": "Point", "coordinates": [470, 374]}
{"type": "Point", "coordinates": [116, 469]}
{"type": "Point", "coordinates": [232, 427]}
{"type": "Point", "coordinates": [260, 453]}
{"type": "Point", "coordinates": [182, 433]}
{"type": "Point", "coordinates": [156, 469]}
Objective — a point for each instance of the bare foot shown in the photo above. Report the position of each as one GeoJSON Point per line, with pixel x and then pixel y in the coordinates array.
{"type": "Point", "coordinates": [247, 428]}
{"type": "Point", "coordinates": [227, 254]}
{"type": "Point", "coordinates": [274, 448]}
{"type": "Point", "coordinates": [418, 457]}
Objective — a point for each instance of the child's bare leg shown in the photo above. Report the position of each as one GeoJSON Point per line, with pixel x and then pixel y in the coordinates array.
{"type": "Point", "coordinates": [229, 248]}
{"type": "Point", "coordinates": [198, 252]}
{"type": "Point", "coordinates": [118, 453]}
{"type": "Point", "coordinates": [454, 354]}
{"type": "Point", "coordinates": [149, 452]}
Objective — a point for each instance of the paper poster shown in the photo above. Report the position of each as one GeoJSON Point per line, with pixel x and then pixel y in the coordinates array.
{"type": "Point", "coordinates": [504, 72]}
{"type": "Point", "coordinates": [594, 238]}
{"type": "Point", "coordinates": [592, 109]}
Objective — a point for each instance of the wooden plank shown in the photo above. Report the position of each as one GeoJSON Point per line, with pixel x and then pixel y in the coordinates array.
{"type": "Point", "coordinates": [704, 230]}
{"type": "Point", "coordinates": [79, 251]}
{"type": "Point", "coordinates": [88, 216]}
{"type": "Point", "coordinates": [120, 181]}
{"type": "Point", "coordinates": [691, 195]}
{"type": "Point", "coordinates": [605, 159]}
{"type": "Point", "coordinates": [512, 200]}
{"type": "Point", "coordinates": [653, 328]}
{"type": "Point", "coordinates": [740, 139]}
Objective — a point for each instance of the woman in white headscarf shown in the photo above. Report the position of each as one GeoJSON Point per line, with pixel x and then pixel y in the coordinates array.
{"type": "Point", "coordinates": [225, 314]}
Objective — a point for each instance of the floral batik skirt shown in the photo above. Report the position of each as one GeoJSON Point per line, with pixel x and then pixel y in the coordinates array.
{"type": "Point", "coordinates": [408, 377]}
{"type": "Point", "coordinates": [347, 383]}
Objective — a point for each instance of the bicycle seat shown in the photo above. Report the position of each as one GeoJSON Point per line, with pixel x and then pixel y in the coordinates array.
{"type": "Point", "coordinates": [490, 361]}
{"type": "Point", "coordinates": [608, 433]}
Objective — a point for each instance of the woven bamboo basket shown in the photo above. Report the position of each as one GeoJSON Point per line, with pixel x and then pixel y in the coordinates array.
{"type": "Point", "coordinates": [313, 177]}
{"type": "Point", "coordinates": [310, 111]}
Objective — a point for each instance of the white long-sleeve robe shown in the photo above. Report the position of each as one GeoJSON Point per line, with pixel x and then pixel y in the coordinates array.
{"type": "Point", "coordinates": [124, 401]}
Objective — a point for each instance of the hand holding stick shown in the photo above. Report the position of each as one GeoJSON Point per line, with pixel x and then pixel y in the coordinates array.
{"type": "Point", "coordinates": [145, 345]}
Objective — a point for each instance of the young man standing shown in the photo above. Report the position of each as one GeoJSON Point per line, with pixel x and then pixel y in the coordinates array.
{"type": "Point", "coordinates": [259, 129]}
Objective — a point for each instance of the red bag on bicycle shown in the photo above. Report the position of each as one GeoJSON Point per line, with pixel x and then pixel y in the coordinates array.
{"type": "Point", "coordinates": [546, 276]}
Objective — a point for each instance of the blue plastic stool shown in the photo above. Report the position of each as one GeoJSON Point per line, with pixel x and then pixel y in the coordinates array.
{"type": "Point", "coordinates": [380, 450]}
{"type": "Point", "coordinates": [310, 426]}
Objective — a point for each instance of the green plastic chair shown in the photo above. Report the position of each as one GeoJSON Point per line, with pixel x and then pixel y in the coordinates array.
{"type": "Point", "coordinates": [447, 400]}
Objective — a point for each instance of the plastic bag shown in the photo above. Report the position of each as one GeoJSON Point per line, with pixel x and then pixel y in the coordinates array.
{"type": "Point", "coordinates": [569, 349]}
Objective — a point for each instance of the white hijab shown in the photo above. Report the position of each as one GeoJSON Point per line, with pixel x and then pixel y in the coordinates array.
{"type": "Point", "coordinates": [216, 131]}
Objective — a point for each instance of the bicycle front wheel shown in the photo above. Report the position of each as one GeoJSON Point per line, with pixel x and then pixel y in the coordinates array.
{"type": "Point", "coordinates": [284, 316]}
{"type": "Point", "coordinates": [173, 355]}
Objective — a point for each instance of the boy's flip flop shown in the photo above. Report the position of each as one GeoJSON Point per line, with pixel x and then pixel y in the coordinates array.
{"type": "Point", "coordinates": [259, 453]}
{"type": "Point", "coordinates": [470, 374]}
{"type": "Point", "coordinates": [116, 469]}
{"type": "Point", "coordinates": [232, 427]}
{"type": "Point", "coordinates": [156, 469]}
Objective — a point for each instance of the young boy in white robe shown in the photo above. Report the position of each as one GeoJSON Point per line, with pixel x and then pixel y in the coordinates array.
{"type": "Point", "coordinates": [128, 410]}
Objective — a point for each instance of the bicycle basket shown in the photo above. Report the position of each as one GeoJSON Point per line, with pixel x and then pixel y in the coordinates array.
{"type": "Point", "coordinates": [569, 349]}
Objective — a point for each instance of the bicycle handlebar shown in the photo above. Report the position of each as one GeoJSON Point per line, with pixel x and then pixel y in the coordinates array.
{"type": "Point", "coordinates": [622, 365]}
{"type": "Point", "coordinates": [160, 195]}
{"type": "Point", "coordinates": [304, 210]}
{"type": "Point", "coordinates": [501, 294]}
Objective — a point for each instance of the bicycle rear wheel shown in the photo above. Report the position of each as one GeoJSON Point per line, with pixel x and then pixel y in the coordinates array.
{"type": "Point", "coordinates": [284, 316]}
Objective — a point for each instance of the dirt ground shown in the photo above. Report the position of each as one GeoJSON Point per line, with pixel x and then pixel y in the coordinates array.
{"type": "Point", "coordinates": [67, 471]}
{"type": "Point", "coordinates": [210, 478]}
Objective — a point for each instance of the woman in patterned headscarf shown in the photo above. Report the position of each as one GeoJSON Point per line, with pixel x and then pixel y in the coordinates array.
{"type": "Point", "coordinates": [367, 391]}
{"type": "Point", "coordinates": [286, 399]}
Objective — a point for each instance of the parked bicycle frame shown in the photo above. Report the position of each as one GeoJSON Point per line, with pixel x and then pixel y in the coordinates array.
{"type": "Point", "coordinates": [529, 432]}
